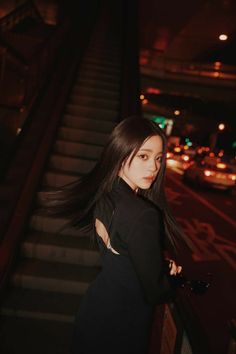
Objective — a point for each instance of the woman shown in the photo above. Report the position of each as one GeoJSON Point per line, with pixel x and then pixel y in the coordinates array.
{"type": "Point", "coordinates": [123, 199]}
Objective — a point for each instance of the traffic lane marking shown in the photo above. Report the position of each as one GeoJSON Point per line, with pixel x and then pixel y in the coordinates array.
{"type": "Point", "coordinates": [206, 237]}
{"type": "Point", "coordinates": [206, 243]}
{"type": "Point", "coordinates": [206, 255]}
{"type": "Point", "coordinates": [204, 201]}
{"type": "Point", "coordinates": [227, 201]}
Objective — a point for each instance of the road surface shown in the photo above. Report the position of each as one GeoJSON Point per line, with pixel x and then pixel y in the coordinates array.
{"type": "Point", "coordinates": [207, 252]}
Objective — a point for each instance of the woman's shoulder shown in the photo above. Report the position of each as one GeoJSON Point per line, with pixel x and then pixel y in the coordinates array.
{"type": "Point", "coordinates": [131, 206]}
{"type": "Point", "coordinates": [132, 212]}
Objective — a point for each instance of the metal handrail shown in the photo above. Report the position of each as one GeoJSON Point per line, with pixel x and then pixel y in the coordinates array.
{"type": "Point", "coordinates": [151, 58]}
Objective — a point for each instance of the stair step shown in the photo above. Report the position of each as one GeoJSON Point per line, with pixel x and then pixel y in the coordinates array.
{"type": "Point", "coordinates": [96, 92]}
{"type": "Point", "coordinates": [92, 112]}
{"type": "Point", "coordinates": [99, 77]}
{"type": "Point", "coordinates": [88, 82]}
{"type": "Point", "coordinates": [82, 136]}
{"type": "Point", "coordinates": [56, 277]}
{"type": "Point", "coordinates": [27, 335]}
{"type": "Point", "coordinates": [102, 62]}
{"type": "Point", "coordinates": [39, 304]}
{"type": "Point", "coordinates": [94, 102]}
{"type": "Point", "coordinates": [106, 57]}
{"type": "Point", "coordinates": [91, 152]}
{"type": "Point", "coordinates": [61, 248]}
{"type": "Point", "coordinates": [97, 42]}
{"type": "Point", "coordinates": [88, 124]}
{"type": "Point", "coordinates": [102, 69]}
{"type": "Point", "coordinates": [109, 50]}
{"type": "Point", "coordinates": [54, 178]}
{"type": "Point", "coordinates": [52, 224]}
{"type": "Point", "coordinates": [71, 164]}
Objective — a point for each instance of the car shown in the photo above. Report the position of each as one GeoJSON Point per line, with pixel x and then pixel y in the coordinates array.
{"type": "Point", "coordinates": [212, 172]}
{"type": "Point", "coordinates": [179, 157]}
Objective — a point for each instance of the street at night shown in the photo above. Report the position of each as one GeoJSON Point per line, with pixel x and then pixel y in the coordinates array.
{"type": "Point", "coordinates": [208, 253]}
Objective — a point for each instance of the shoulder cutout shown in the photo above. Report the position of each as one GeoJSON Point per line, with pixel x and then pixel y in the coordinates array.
{"type": "Point", "coordinates": [102, 232]}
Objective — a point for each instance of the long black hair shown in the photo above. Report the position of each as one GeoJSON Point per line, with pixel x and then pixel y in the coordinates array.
{"type": "Point", "coordinates": [77, 199]}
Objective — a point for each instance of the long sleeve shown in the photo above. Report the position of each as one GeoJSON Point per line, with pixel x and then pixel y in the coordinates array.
{"type": "Point", "coordinates": [144, 247]}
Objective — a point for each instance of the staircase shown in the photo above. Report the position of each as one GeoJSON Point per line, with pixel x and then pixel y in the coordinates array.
{"type": "Point", "coordinates": [55, 268]}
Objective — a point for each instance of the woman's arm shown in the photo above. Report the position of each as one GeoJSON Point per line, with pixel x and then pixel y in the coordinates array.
{"type": "Point", "coordinates": [145, 250]}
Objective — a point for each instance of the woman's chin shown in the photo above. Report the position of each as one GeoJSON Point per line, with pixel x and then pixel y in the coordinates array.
{"type": "Point", "coordinates": [145, 185]}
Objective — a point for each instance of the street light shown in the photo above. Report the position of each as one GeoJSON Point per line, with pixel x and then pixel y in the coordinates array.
{"type": "Point", "coordinates": [223, 37]}
{"type": "Point", "coordinates": [221, 126]}
{"type": "Point", "coordinates": [215, 135]}
{"type": "Point", "coordinates": [177, 112]}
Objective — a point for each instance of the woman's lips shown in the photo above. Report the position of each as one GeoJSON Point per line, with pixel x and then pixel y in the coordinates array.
{"type": "Point", "coordinates": [149, 178]}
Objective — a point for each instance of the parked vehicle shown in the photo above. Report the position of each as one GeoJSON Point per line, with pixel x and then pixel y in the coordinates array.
{"type": "Point", "coordinates": [210, 172]}
{"type": "Point", "coordinates": [179, 157]}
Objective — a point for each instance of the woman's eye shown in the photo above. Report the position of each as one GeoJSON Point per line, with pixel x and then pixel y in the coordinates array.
{"type": "Point", "coordinates": [143, 156]}
{"type": "Point", "coordinates": [159, 158]}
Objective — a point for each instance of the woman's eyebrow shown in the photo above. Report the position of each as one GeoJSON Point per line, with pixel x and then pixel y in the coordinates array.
{"type": "Point", "coordinates": [150, 150]}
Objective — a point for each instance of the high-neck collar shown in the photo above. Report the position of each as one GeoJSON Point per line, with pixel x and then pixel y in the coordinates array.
{"type": "Point", "coordinates": [120, 184]}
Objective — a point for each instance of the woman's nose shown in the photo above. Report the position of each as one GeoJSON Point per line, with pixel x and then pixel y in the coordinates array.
{"type": "Point", "coordinates": [153, 165]}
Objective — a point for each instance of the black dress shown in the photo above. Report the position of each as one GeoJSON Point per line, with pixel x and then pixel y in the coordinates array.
{"type": "Point", "coordinates": [115, 315]}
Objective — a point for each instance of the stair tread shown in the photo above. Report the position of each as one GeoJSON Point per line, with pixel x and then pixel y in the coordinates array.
{"type": "Point", "coordinates": [106, 58]}
{"type": "Point", "coordinates": [105, 62]}
{"type": "Point", "coordinates": [99, 72]}
{"type": "Point", "coordinates": [82, 135]}
{"type": "Point", "coordinates": [74, 164]}
{"type": "Point", "coordinates": [100, 68]}
{"type": "Point", "coordinates": [61, 240]}
{"type": "Point", "coordinates": [59, 271]}
{"type": "Point", "coordinates": [75, 143]}
{"type": "Point", "coordinates": [108, 48]}
{"type": "Point", "coordinates": [93, 82]}
{"type": "Point", "coordinates": [93, 100]}
{"type": "Point", "coordinates": [99, 76]}
{"type": "Point", "coordinates": [63, 248]}
{"type": "Point", "coordinates": [95, 92]}
{"type": "Point", "coordinates": [89, 124]}
{"type": "Point", "coordinates": [41, 222]}
{"type": "Point", "coordinates": [82, 106]}
{"type": "Point", "coordinates": [77, 150]}
{"type": "Point", "coordinates": [66, 140]}
{"type": "Point", "coordinates": [60, 156]}
{"type": "Point", "coordinates": [83, 130]}
{"type": "Point", "coordinates": [54, 178]}
{"type": "Point", "coordinates": [22, 300]}
{"type": "Point", "coordinates": [54, 170]}
{"type": "Point", "coordinates": [73, 154]}
{"type": "Point", "coordinates": [27, 335]}
{"type": "Point", "coordinates": [92, 114]}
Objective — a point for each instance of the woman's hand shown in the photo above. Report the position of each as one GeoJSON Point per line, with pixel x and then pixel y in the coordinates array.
{"type": "Point", "coordinates": [174, 268]}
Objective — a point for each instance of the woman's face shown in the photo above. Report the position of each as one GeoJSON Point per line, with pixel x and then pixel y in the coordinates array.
{"type": "Point", "coordinates": [143, 169]}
